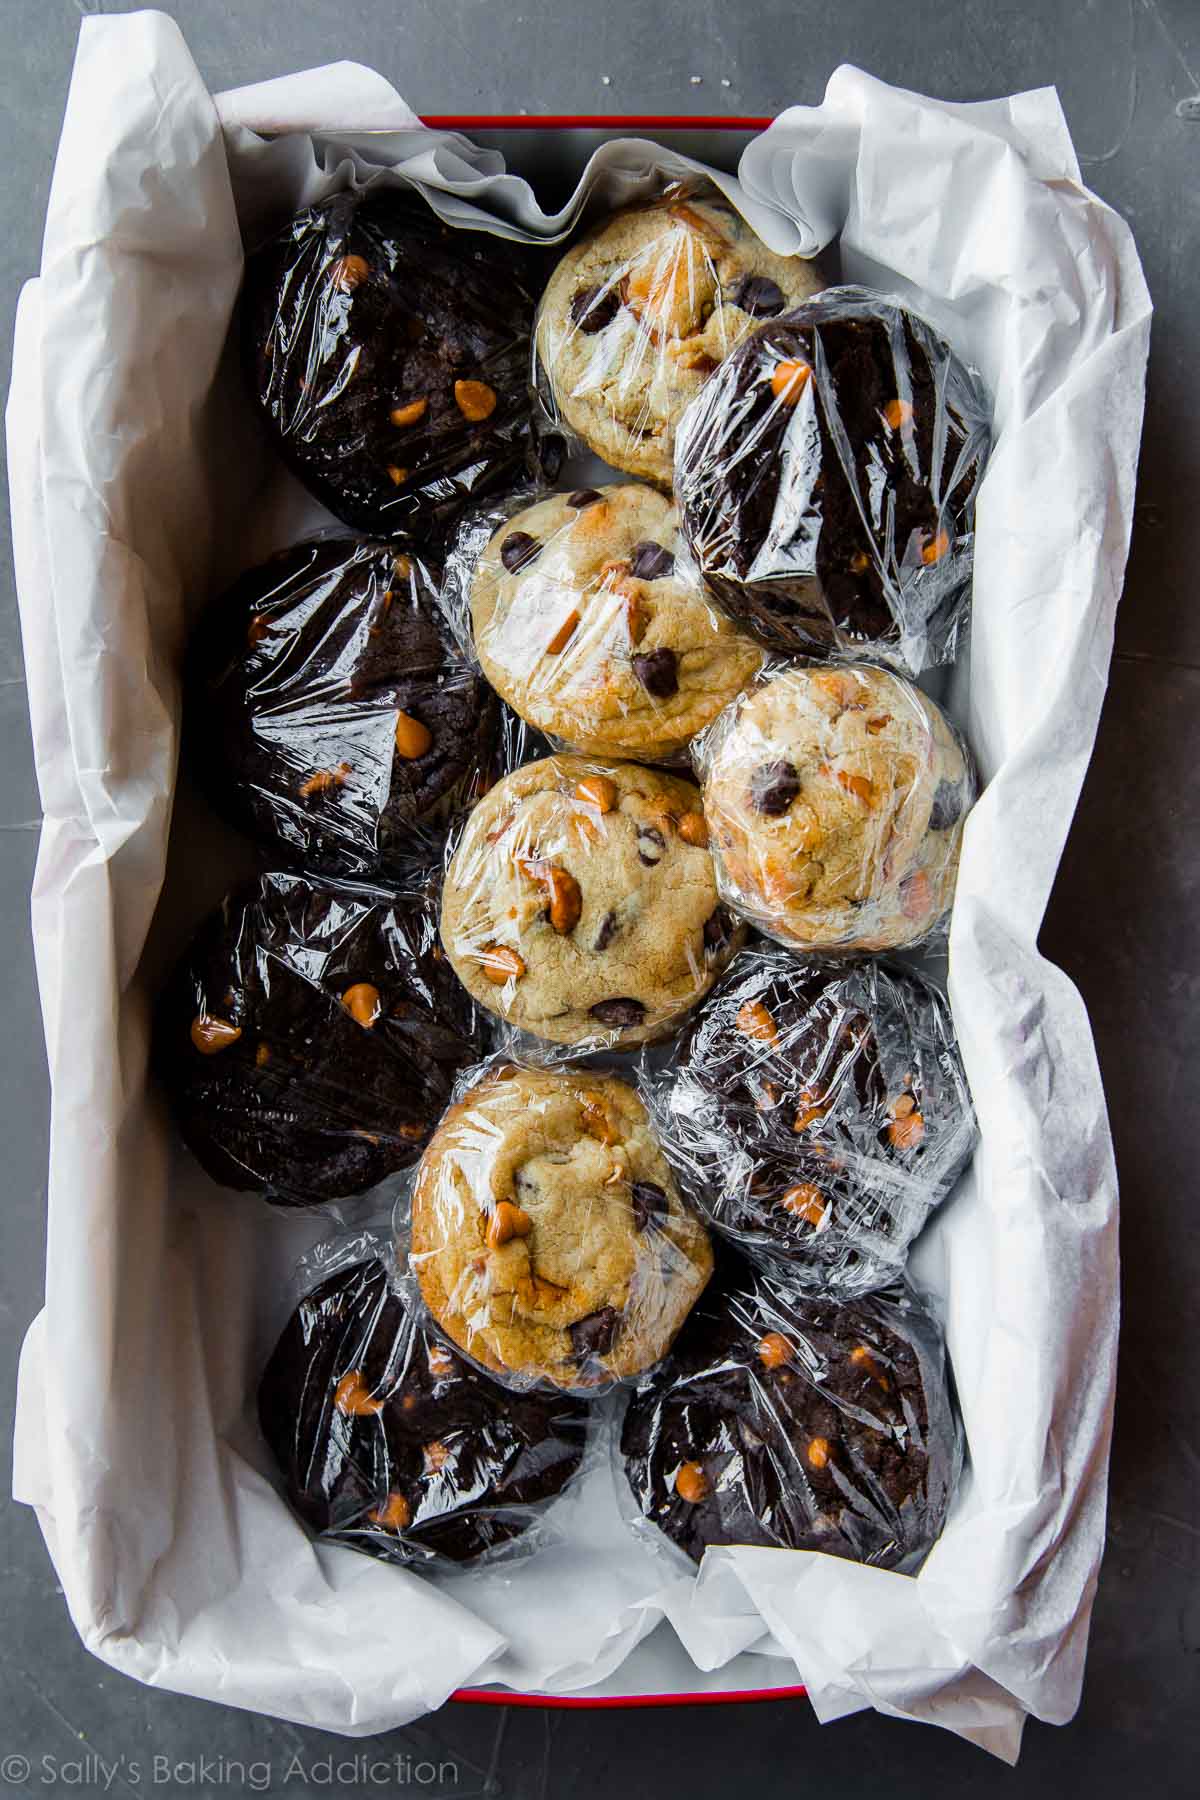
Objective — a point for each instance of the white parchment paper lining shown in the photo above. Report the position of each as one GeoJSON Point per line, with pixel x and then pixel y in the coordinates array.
{"type": "Point", "coordinates": [179, 1561]}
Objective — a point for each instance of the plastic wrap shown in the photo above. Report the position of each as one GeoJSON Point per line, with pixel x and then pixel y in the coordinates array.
{"type": "Point", "coordinates": [640, 312]}
{"type": "Point", "coordinates": [392, 1444]}
{"type": "Point", "coordinates": [584, 625]}
{"type": "Point", "coordinates": [817, 1115]}
{"type": "Point", "coordinates": [329, 712]}
{"type": "Point", "coordinates": [835, 800]}
{"type": "Point", "coordinates": [795, 1423]}
{"type": "Point", "coordinates": [389, 356]}
{"type": "Point", "coordinates": [581, 904]}
{"type": "Point", "coordinates": [548, 1237]}
{"type": "Point", "coordinates": [826, 480]}
{"type": "Point", "coordinates": [310, 1037]}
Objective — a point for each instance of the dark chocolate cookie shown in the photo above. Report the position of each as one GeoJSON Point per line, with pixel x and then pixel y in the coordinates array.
{"type": "Point", "coordinates": [798, 1424]}
{"type": "Point", "coordinates": [390, 356]}
{"type": "Point", "coordinates": [818, 1114]}
{"type": "Point", "coordinates": [826, 478]}
{"type": "Point", "coordinates": [391, 1443]}
{"type": "Point", "coordinates": [328, 710]}
{"type": "Point", "coordinates": [310, 1037]}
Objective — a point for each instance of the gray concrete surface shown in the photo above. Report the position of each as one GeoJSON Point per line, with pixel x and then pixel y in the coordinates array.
{"type": "Point", "coordinates": [1122, 921]}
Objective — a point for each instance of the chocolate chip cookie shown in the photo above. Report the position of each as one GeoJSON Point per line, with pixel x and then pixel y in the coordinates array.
{"type": "Point", "coordinates": [584, 625]}
{"type": "Point", "coordinates": [581, 903]}
{"type": "Point", "coordinates": [835, 800]}
{"type": "Point", "coordinates": [640, 312]}
{"type": "Point", "coordinates": [328, 711]}
{"type": "Point", "coordinates": [798, 1424]}
{"type": "Point", "coordinates": [548, 1235]}
{"type": "Point", "coordinates": [389, 356]}
{"type": "Point", "coordinates": [826, 480]}
{"type": "Point", "coordinates": [310, 1037]}
{"type": "Point", "coordinates": [818, 1113]}
{"type": "Point", "coordinates": [390, 1443]}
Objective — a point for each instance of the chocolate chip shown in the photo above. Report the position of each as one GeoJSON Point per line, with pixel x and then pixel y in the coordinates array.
{"type": "Point", "coordinates": [947, 806]}
{"type": "Point", "coordinates": [650, 845]}
{"type": "Point", "coordinates": [761, 297]}
{"type": "Point", "coordinates": [620, 1011]}
{"type": "Point", "coordinates": [584, 497]}
{"type": "Point", "coordinates": [717, 930]}
{"type": "Point", "coordinates": [518, 549]}
{"type": "Point", "coordinates": [594, 1335]}
{"type": "Point", "coordinates": [658, 672]}
{"type": "Point", "coordinates": [651, 561]}
{"type": "Point", "coordinates": [649, 1203]}
{"type": "Point", "coordinates": [607, 931]}
{"type": "Point", "coordinates": [595, 307]}
{"type": "Point", "coordinates": [773, 787]}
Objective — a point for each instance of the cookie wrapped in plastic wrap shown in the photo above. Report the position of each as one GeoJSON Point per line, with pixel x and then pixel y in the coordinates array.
{"type": "Point", "coordinates": [639, 313]}
{"type": "Point", "coordinates": [392, 1444]}
{"type": "Point", "coordinates": [329, 711]}
{"type": "Point", "coordinates": [583, 623]}
{"type": "Point", "coordinates": [548, 1237]}
{"type": "Point", "coordinates": [827, 477]}
{"type": "Point", "coordinates": [794, 1423]}
{"type": "Point", "coordinates": [310, 1037]}
{"type": "Point", "coordinates": [817, 1114]}
{"type": "Point", "coordinates": [581, 906]}
{"type": "Point", "coordinates": [389, 355]}
{"type": "Point", "coordinates": [835, 801]}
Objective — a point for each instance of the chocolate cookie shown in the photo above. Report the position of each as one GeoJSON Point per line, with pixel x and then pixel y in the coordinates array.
{"type": "Point", "coordinates": [818, 1113]}
{"type": "Point", "coordinates": [798, 1424]}
{"type": "Point", "coordinates": [639, 313]}
{"type": "Point", "coordinates": [389, 354]}
{"type": "Point", "coordinates": [548, 1235]}
{"type": "Point", "coordinates": [581, 903]}
{"type": "Point", "coordinates": [826, 480]}
{"type": "Point", "coordinates": [310, 1037]}
{"type": "Point", "coordinates": [390, 1443]}
{"type": "Point", "coordinates": [329, 713]}
{"type": "Point", "coordinates": [583, 623]}
{"type": "Point", "coordinates": [835, 800]}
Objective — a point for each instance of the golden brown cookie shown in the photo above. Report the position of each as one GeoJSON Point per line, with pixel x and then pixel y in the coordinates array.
{"type": "Point", "coordinates": [835, 800]}
{"type": "Point", "coordinates": [583, 625]}
{"type": "Point", "coordinates": [548, 1236]}
{"type": "Point", "coordinates": [581, 904]}
{"type": "Point", "coordinates": [637, 314]}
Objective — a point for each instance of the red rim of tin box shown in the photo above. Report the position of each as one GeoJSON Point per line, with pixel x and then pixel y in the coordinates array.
{"type": "Point", "coordinates": [640, 123]}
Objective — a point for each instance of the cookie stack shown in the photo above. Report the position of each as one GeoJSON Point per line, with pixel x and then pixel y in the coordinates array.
{"type": "Point", "coordinates": [741, 798]}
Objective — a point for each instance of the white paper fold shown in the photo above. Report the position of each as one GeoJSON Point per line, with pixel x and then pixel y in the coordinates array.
{"type": "Point", "coordinates": [132, 478]}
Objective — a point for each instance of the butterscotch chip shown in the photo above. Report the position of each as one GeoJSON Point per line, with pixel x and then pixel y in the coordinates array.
{"type": "Point", "coordinates": [562, 637]}
{"type": "Point", "coordinates": [774, 1350]}
{"type": "Point", "coordinates": [507, 1222]}
{"type": "Point", "coordinates": [789, 380]}
{"type": "Point", "coordinates": [501, 964]}
{"type": "Point", "coordinates": [754, 1019]}
{"type": "Point", "coordinates": [353, 1397]}
{"type": "Point", "coordinates": [805, 1201]}
{"type": "Point", "coordinates": [363, 1003]}
{"type": "Point", "coordinates": [691, 1483]}
{"type": "Point", "coordinates": [475, 400]}
{"type": "Point", "coordinates": [409, 413]}
{"type": "Point", "coordinates": [210, 1034]}
{"type": "Point", "coordinates": [693, 829]}
{"type": "Point", "coordinates": [598, 790]}
{"type": "Point", "coordinates": [818, 1452]}
{"type": "Point", "coordinates": [412, 738]}
{"type": "Point", "coordinates": [394, 1515]}
{"type": "Point", "coordinates": [349, 272]}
